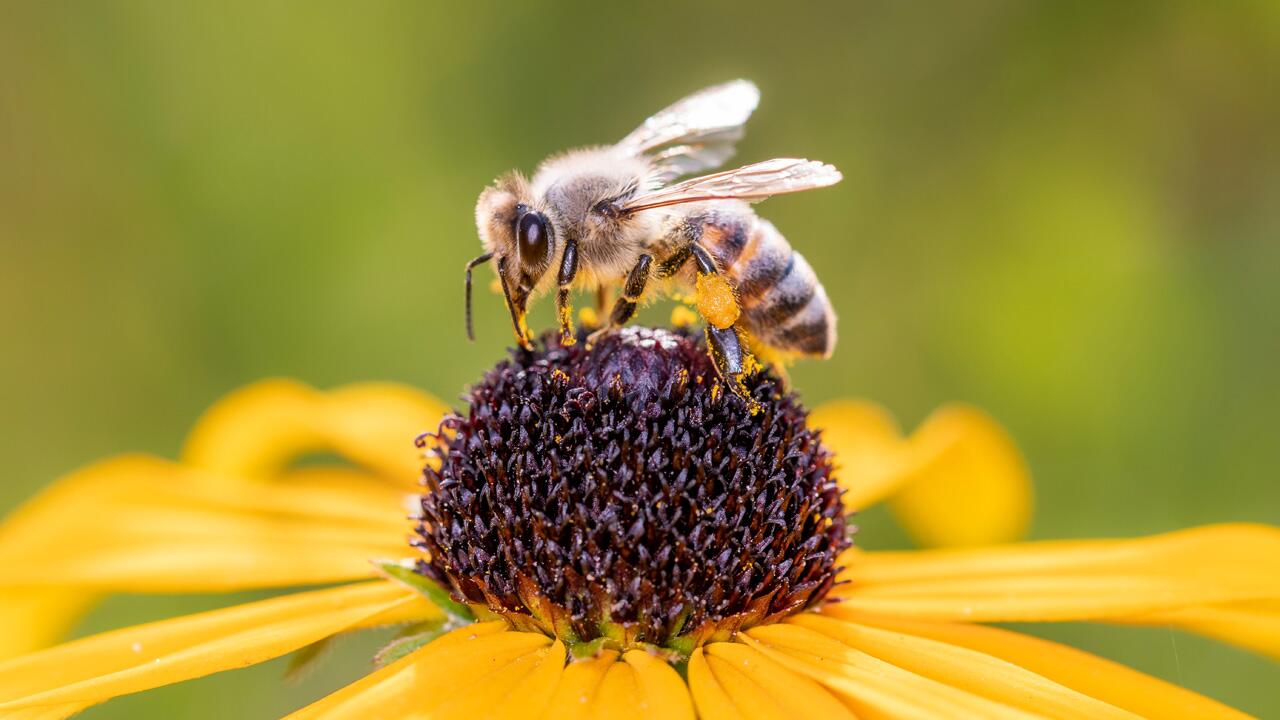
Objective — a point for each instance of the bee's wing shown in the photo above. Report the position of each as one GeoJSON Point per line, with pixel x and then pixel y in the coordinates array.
{"type": "Point", "coordinates": [695, 134]}
{"type": "Point", "coordinates": [751, 183]}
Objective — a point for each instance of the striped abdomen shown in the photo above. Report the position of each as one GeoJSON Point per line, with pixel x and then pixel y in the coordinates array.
{"type": "Point", "coordinates": [783, 304]}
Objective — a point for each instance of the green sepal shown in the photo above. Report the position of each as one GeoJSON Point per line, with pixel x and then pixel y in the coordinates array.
{"type": "Point", "coordinates": [456, 611]}
{"type": "Point", "coordinates": [670, 655]}
{"type": "Point", "coordinates": [683, 645]}
{"type": "Point", "coordinates": [613, 631]}
{"type": "Point", "coordinates": [588, 650]}
{"type": "Point", "coordinates": [305, 659]}
{"type": "Point", "coordinates": [410, 639]}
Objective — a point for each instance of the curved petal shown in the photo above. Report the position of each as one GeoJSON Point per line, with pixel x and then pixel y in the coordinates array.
{"type": "Point", "coordinates": [145, 525]}
{"type": "Point", "coordinates": [966, 669]}
{"type": "Point", "coordinates": [37, 617]}
{"type": "Point", "coordinates": [1252, 624]}
{"type": "Point", "coordinates": [1070, 580]}
{"type": "Point", "coordinates": [958, 480]}
{"type": "Point", "coordinates": [709, 696]}
{"type": "Point", "coordinates": [761, 687]}
{"type": "Point", "coordinates": [619, 694]}
{"type": "Point", "coordinates": [662, 692]}
{"type": "Point", "coordinates": [750, 699]}
{"type": "Point", "coordinates": [453, 669]}
{"type": "Point", "coordinates": [868, 449]}
{"type": "Point", "coordinates": [257, 430]}
{"type": "Point", "coordinates": [97, 668]}
{"type": "Point", "coordinates": [1088, 674]}
{"type": "Point", "coordinates": [871, 687]}
{"type": "Point", "coordinates": [581, 682]}
{"type": "Point", "coordinates": [530, 698]}
{"type": "Point", "coordinates": [968, 484]}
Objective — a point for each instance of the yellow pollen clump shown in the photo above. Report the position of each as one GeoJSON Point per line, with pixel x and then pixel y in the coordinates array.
{"type": "Point", "coordinates": [716, 301]}
{"type": "Point", "coordinates": [587, 316]}
{"type": "Point", "coordinates": [566, 324]}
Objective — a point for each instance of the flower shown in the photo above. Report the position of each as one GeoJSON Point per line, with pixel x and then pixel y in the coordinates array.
{"type": "Point", "coordinates": [605, 536]}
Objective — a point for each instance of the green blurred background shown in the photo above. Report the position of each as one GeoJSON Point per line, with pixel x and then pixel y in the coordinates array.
{"type": "Point", "coordinates": [1065, 213]}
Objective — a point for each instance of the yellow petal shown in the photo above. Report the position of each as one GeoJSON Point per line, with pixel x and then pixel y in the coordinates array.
{"type": "Point", "coordinates": [662, 691]}
{"type": "Point", "coordinates": [375, 424]}
{"type": "Point", "coordinates": [967, 483]}
{"type": "Point", "coordinates": [871, 687]}
{"type": "Point", "coordinates": [868, 449]}
{"type": "Point", "coordinates": [256, 430]}
{"type": "Point", "coordinates": [619, 695]}
{"type": "Point", "coordinates": [966, 669]}
{"type": "Point", "coordinates": [750, 699]}
{"type": "Point", "coordinates": [958, 480]}
{"type": "Point", "coordinates": [390, 692]}
{"type": "Point", "coordinates": [259, 429]}
{"type": "Point", "coordinates": [576, 693]}
{"type": "Point", "coordinates": [100, 667]}
{"type": "Point", "coordinates": [1253, 624]}
{"type": "Point", "coordinates": [1088, 674]}
{"type": "Point", "coordinates": [45, 713]}
{"type": "Point", "coordinates": [37, 617]}
{"type": "Point", "coordinates": [144, 525]}
{"type": "Point", "coordinates": [532, 695]}
{"type": "Point", "coordinates": [709, 696]}
{"type": "Point", "coordinates": [1070, 580]}
{"type": "Point", "coordinates": [794, 695]}
{"type": "Point", "coordinates": [478, 696]}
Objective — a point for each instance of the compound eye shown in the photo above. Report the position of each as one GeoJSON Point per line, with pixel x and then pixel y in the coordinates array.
{"type": "Point", "coordinates": [532, 238]}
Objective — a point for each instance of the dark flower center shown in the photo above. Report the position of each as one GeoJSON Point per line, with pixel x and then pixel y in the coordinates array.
{"type": "Point", "coordinates": [623, 494]}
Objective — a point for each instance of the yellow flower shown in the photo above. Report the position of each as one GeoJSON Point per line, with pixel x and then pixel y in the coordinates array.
{"type": "Point", "coordinates": [900, 634]}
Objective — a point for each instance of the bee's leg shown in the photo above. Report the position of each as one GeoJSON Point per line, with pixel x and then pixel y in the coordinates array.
{"type": "Point", "coordinates": [564, 307]}
{"type": "Point", "coordinates": [516, 305]}
{"type": "Point", "coordinates": [624, 308]}
{"type": "Point", "coordinates": [718, 305]}
{"type": "Point", "coordinates": [602, 299]}
{"type": "Point", "coordinates": [672, 264]}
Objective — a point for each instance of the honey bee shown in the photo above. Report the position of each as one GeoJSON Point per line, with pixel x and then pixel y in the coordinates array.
{"type": "Point", "coordinates": [610, 216]}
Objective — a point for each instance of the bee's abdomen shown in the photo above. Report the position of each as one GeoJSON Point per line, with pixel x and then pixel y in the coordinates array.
{"type": "Point", "coordinates": [784, 306]}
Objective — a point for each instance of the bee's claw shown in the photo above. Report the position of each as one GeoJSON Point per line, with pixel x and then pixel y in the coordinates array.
{"type": "Point", "coordinates": [594, 337]}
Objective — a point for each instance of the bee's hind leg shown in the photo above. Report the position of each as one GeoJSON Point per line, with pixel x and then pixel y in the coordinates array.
{"type": "Point", "coordinates": [718, 305]}
{"type": "Point", "coordinates": [624, 308]}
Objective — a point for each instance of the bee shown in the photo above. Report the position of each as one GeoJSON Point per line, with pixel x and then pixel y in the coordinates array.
{"type": "Point", "coordinates": [611, 216]}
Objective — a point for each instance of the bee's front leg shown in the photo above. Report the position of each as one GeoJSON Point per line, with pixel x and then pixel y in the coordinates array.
{"type": "Point", "coordinates": [516, 304]}
{"type": "Point", "coordinates": [564, 306]}
{"type": "Point", "coordinates": [624, 308]}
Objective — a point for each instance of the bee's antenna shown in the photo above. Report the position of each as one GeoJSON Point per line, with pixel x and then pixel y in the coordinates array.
{"type": "Point", "coordinates": [477, 261]}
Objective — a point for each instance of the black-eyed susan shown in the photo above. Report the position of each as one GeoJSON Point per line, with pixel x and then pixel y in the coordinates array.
{"type": "Point", "coordinates": [606, 534]}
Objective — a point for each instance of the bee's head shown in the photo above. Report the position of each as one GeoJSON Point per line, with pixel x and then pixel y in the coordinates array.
{"type": "Point", "coordinates": [516, 231]}
{"type": "Point", "coordinates": [517, 236]}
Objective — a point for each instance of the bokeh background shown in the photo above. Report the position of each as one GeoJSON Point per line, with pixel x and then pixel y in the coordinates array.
{"type": "Point", "coordinates": [1065, 213]}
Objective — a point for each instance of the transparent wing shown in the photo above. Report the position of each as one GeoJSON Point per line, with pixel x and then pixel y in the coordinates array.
{"type": "Point", "coordinates": [695, 134]}
{"type": "Point", "coordinates": [751, 183]}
